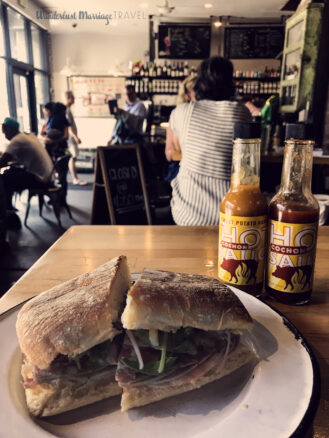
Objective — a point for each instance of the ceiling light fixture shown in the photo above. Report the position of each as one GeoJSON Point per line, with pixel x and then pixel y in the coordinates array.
{"type": "Point", "coordinates": [208, 5]}
{"type": "Point", "coordinates": [68, 69]}
{"type": "Point", "coordinates": [217, 23]}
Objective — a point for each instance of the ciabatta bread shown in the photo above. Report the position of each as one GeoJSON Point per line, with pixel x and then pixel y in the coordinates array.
{"type": "Point", "coordinates": [74, 316]}
{"type": "Point", "coordinates": [64, 394]}
{"type": "Point", "coordinates": [167, 301]}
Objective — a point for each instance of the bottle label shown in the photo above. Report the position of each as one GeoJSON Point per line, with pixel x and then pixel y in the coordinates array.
{"type": "Point", "coordinates": [291, 256]}
{"type": "Point", "coordinates": [241, 249]}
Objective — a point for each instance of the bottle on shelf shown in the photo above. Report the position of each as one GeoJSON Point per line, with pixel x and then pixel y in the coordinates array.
{"type": "Point", "coordinates": [243, 215]}
{"type": "Point", "coordinates": [164, 69]}
{"type": "Point", "coordinates": [293, 222]}
{"type": "Point", "coordinates": [141, 70]}
{"type": "Point", "coordinates": [181, 70]}
{"type": "Point", "coordinates": [159, 70]}
{"type": "Point", "coordinates": [146, 71]}
{"type": "Point", "coordinates": [186, 70]}
{"type": "Point", "coordinates": [173, 70]}
{"type": "Point", "coordinates": [169, 70]}
{"type": "Point", "coordinates": [151, 68]}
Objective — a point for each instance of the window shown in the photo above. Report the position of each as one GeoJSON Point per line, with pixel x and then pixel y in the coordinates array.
{"type": "Point", "coordinates": [17, 36]}
{"type": "Point", "coordinates": [21, 88]}
{"type": "Point", "coordinates": [4, 106]}
{"type": "Point", "coordinates": [2, 42]}
{"type": "Point", "coordinates": [24, 74]}
{"type": "Point", "coordinates": [42, 95]}
{"type": "Point", "coordinates": [37, 47]}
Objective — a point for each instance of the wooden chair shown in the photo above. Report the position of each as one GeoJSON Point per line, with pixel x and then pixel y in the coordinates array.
{"type": "Point", "coordinates": [56, 192]}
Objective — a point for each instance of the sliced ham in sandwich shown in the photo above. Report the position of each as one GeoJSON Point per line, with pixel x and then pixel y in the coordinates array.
{"type": "Point", "coordinates": [182, 332]}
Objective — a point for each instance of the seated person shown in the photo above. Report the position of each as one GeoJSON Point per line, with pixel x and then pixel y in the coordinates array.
{"type": "Point", "coordinates": [26, 150]}
{"type": "Point", "coordinates": [129, 124]}
{"type": "Point", "coordinates": [203, 130]}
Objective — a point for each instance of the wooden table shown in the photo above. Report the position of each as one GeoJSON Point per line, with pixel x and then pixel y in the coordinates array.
{"type": "Point", "coordinates": [185, 249]}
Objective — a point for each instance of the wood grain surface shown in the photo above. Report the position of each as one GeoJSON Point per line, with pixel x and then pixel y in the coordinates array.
{"type": "Point", "coordinates": [180, 249]}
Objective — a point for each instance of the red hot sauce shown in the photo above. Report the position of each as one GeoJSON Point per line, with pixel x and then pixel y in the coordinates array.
{"type": "Point", "coordinates": [293, 223]}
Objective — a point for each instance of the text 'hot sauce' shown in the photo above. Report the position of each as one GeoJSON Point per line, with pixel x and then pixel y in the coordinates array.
{"type": "Point", "coordinates": [293, 222]}
{"type": "Point", "coordinates": [243, 216]}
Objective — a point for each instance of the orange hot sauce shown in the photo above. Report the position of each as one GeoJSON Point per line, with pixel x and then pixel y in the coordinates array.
{"type": "Point", "coordinates": [243, 216]}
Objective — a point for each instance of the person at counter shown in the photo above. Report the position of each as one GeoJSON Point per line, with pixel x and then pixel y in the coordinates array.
{"type": "Point", "coordinates": [73, 140]}
{"type": "Point", "coordinates": [129, 125]}
{"type": "Point", "coordinates": [25, 150]}
{"type": "Point", "coordinates": [203, 132]}
{"type": "Point", "coordinates": [56, 131]}
{"type": "Point", "coordinates": [172, 150]}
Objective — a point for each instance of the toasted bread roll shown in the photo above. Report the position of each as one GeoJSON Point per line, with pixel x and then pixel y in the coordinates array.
{"type": "Point", "coordinates": [167, 301]}
{"type": "Point", "coordinates": [60, 327]}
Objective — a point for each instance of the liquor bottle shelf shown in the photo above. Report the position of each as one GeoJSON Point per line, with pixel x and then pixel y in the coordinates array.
{"type": "Point", "coordinates": [273, 79]}
{"type": "Point", "coordinates": [181, 78]}
{"type": "Point", "coordinates": [176, 78]}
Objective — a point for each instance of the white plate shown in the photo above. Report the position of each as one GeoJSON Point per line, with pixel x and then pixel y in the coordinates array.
{"type": "Point", "coordinates": [276, 399]}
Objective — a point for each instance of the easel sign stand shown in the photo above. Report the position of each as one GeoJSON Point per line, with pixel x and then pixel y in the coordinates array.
{"type": "Point", "coordinates": [120, 196]}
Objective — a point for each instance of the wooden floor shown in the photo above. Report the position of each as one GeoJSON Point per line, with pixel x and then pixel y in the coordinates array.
{"type": "Point", "coordinates": [27, 245]}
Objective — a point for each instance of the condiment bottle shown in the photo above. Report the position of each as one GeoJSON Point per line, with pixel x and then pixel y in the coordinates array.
{"type": "Point", "coordinates": [293, 222]}
{"type": "Point", "coordinates": [243, 216]}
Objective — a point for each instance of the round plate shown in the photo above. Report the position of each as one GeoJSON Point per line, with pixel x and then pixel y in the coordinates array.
{"type": "Point", "coordinates": [277, 398]}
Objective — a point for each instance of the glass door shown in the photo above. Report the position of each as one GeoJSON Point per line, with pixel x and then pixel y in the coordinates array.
{"type": "Point", "coordinates": [22, 100]}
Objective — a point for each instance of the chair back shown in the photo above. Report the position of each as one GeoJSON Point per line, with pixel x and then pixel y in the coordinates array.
{"type": "Point", "coordinates": [61, 167]}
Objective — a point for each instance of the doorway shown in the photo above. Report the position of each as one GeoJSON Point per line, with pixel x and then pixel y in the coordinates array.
{"type": "Point", "coordinates": [24, 99]}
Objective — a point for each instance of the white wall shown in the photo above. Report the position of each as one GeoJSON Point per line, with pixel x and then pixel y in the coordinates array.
{"type": "Point", "coordinates": [93, 54]}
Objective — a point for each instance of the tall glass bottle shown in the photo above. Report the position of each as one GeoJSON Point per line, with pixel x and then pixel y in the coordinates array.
{"type": "Point", "coordinates": [243, 216]}
{"type": "Point", "coordinates": [293, 225]}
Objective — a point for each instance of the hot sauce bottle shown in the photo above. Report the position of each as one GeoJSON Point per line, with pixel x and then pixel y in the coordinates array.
{"type": "Point", "coordinates": [243, 216]}
{"type": "Point", "coordinates": [293, 222]}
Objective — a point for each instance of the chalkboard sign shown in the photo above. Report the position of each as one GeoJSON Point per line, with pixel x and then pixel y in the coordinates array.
{"type": "Point", "coordinates": [119, 172]}
{"type": "Point", "coordinates": [253, 42]}
{"type": "Point", "coordinates": [179, 41]}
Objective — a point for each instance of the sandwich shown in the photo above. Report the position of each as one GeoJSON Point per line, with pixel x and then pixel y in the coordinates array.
{"type": "Point", "coordinates": [70, 337]}
{"type": "Point", "coordinates": [183, 331]}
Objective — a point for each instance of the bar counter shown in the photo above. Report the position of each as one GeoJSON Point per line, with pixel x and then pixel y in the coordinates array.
{"type": "Point", "coordinates": [184, 249]}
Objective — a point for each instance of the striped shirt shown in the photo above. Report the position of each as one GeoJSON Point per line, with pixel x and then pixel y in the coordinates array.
{"type": "Point", "coordinates": [204, 130]}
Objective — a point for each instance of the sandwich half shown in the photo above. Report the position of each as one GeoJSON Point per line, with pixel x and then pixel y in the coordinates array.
{"type": "Point", "coordinates": [70, 337]}
{"type": "Point", "coordinates": [182, 332]}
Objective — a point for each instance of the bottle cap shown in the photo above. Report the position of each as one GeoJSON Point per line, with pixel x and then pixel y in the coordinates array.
{"type": "Point", "coordinates": [299, 131]}
{"type": "Point", "coordinates": [247, 130]}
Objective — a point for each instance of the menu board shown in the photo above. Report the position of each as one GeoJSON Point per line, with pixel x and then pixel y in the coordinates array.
{"type": "Point", "coordinates": [253, 42]}
{"type": "Point", "coordinates": [92, 93]}
{"type": "Point", "coordinates": [179, 41]}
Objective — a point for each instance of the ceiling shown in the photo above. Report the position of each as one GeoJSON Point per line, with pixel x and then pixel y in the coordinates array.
{"type": "Point", "coordinates": [131, 16]}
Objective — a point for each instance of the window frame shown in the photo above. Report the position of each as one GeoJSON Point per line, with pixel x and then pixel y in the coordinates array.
{"type": "Point", "coordinates": [13, 64]}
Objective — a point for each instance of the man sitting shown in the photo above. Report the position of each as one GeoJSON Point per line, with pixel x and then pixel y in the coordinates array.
{"type": "Point", "coordinates": [129, 124]}
{"type": "Point", "coordinates": [27, 151]}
